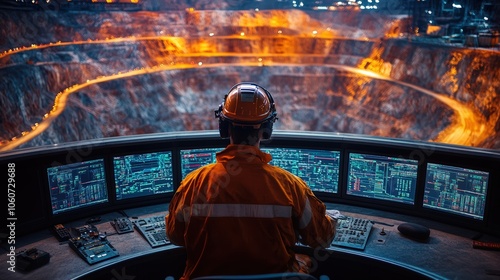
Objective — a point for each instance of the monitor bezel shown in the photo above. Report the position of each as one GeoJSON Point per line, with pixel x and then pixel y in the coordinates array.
{"type": "Point", "coordinates": [449, 212]}
{"type": "Point", "coordinates": [461, 162]}
{"type": "Point", "coordinates": [320, 194]}
{"type": "Point", "coordinates": [149, 197]}
{"type": "Point", "coordinates": [384, 204]}
{"type": "Point", "coordinates": [287, 141]}
{"type": "Point", "coordinates": [81, 212]}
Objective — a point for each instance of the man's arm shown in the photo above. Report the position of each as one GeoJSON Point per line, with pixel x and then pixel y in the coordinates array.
{"type": "Point", "coordinates": [319, 229]}
{"type": "Point", "coordinates": [174, 222]}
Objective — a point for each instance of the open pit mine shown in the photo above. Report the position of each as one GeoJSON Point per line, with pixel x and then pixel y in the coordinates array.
{"type": "Point", "coordinates": [76, 76]}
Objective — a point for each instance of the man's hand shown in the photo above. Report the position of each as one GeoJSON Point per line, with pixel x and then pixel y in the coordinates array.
{"type": "Point", "coordinates": [334, 214]}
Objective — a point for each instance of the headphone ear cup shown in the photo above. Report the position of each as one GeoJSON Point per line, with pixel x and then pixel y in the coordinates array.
{"type": "Point", "coordinates": [267, 130]}
{"type": "Point", "coordinates": [223, 128]}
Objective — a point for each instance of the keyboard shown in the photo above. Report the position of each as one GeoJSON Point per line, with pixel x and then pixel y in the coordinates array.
{"type": "Point", "coordinates": [153, 230]}
{"type": "Point", "coordinates": [352, 232]}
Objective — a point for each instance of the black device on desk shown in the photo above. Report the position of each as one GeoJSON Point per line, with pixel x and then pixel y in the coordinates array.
{"type": "Point", "coordinates": [352, 232]}
{"type": "Point", "coordinates": [122, 225]}
{"type": "Point", "coordinates": [31, 259]}
{"type": "Point", "coordinates": [90, 245]}
{"type": "Point", "coordinates": [153, 230]}
{"type": "Point", "coordinates": [61, 232]}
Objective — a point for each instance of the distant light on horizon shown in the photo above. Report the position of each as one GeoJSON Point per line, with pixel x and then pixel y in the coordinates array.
{"type": "Point", "coordinates": [301, 4]}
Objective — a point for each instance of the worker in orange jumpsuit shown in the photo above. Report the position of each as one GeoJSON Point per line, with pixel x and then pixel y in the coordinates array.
{"type": "Point", "coordinates": [242, 215]}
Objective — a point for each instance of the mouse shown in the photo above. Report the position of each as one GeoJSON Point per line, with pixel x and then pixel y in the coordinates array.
{"type": "Point", "coordinates": [414, 231]}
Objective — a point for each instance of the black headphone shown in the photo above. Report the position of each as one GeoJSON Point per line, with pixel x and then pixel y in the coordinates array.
{"type": "Point", "coordinates": [266, 125]}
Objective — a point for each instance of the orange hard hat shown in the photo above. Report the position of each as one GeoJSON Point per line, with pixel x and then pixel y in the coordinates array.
{"type": "Point", "coordinates": [247, 104]}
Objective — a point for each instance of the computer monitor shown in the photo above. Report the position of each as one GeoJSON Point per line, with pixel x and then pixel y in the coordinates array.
{"type": "Point", "coordinates": [382, 177]}
{"type": "Point", "coordinates": [456, 190]}
{"type": "Point", "coordinates": [77, 185]}
{"type": "Point", "coordinates": [139, 175]}
{"type": "Point", "coordinates": [318, 168]}
{"type": "Point", "coordinates": [192, 159]}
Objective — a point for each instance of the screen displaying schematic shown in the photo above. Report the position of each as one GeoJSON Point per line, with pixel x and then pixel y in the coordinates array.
{"type": "Point", "coordinates": [192, 159]}
{"type": "Point", "coordinates": [76, 185]}
{"type": "Point", "coordinates": [318, 168]}
{"type": "Point", "coordinates": [141, 175]}
{"type": "Point", "coordinates": [456, 190]}
{"type": "Point", "coordinates": [382, 177]}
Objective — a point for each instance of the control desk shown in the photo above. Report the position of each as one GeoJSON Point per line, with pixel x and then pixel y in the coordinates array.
{"type": "Point", "coordinates": [447, 254]}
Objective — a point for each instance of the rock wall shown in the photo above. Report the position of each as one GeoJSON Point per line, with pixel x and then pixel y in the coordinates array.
{"type": "Point", "coordinates": [470, 76]}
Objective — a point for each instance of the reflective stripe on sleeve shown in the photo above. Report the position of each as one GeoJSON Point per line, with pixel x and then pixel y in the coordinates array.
{"type": "Point", "coordinates": [241, 210]}
{"type": "Point", "coordinates": [306, 215]}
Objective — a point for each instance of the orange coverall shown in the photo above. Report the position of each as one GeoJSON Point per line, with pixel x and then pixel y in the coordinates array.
{"type": "Point", "coordinates": [242, 215]}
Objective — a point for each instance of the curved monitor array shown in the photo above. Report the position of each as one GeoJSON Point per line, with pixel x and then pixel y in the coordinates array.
{"type": "Point", "coordinates": [453, 189]}
{"type": "Point", "coordinates": [370, 173]}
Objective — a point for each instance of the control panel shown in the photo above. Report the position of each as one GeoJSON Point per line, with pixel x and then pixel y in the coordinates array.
{"type": "Point", "coordinates": [153, 230]}
{"type": "Point", "coordinates": [90, 245]}
{"type": "Point", "coordinates": [352, 232]}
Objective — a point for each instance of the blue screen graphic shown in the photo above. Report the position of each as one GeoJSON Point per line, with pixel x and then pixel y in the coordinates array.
{"type": "Point", "coordinates": [77, 185]}
{"type": "Point", "coordinates": [318, 168]}
{"type": "Point", "coordinates": [141, 175]}
{"type": "Point", "coordinates": [382, 177]}
{"type": "Point", "coordinates": [192, 159]}
{"type": "Point", "coordinates": [456, 190]}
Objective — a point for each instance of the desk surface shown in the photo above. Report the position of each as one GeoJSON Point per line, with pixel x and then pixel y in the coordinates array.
{"type": "Point", "coordinates": [448, 254]}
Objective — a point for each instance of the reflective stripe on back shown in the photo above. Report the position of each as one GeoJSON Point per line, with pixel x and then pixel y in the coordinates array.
{"type": "Point", "coordinates": [241, 210]}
